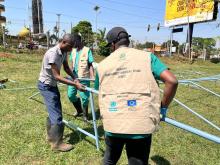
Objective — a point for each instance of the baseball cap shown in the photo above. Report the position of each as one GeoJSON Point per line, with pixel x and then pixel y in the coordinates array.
{"type": "Point", "coordinates": [116, 34]}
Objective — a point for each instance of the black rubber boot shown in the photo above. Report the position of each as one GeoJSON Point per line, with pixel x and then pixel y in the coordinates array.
{"type": "Point", "coordinates": [85, 114]}
{"type": "Point", "coordinates": [78, 108]}
{"type": "Point", "coordinates": [48, 126]}
{"type": "Point", "coordinates": [56, 136]}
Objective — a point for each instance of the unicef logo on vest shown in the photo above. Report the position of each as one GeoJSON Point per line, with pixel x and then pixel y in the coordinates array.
{"type": "Point", "coordinates": [112, 106]}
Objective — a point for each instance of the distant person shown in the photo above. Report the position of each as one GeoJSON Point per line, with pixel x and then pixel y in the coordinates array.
{"type": "Point", "coordinates": [20, 46]}
{"type": "Point", "coordinates": [81, 61]}
{"type": "Point", "coordinates": [53, 59]}
{"type": "Point", "coordinates": [129, 98]}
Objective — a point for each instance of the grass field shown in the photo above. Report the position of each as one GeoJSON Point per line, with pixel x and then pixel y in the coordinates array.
{"type": "Point", "coordinates": [22, 121]}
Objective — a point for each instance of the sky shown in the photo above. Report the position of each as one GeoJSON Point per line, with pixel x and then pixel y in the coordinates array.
{"type": "Point", "coordinates": [134, 16]}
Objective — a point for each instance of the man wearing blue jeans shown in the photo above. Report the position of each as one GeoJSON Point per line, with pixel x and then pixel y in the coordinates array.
{"type": "Point", "coordinates": [129, 98]}
{"type": "Point", "coordinates": [53, 59]}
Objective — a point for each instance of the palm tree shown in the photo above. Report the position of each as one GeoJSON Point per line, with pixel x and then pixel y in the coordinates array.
{"type": "Point", "coordinates": [101, 35]}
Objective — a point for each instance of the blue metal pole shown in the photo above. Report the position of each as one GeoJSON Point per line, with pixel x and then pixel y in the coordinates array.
{"type": "Point", "coordinates": [195, 113]}
{"type": "Point", "coordinates": [92, 90]}
{"type": "Point", "coordinates": [73, 126]}
{"type": "Point", "coordinates": [184, 126]}
{"type": "Point", "coordinates": [94, 120]}
{"type": "Point", "coordinates": [206, 89]}
{"type": "Point", "coordinates": [193, 130]}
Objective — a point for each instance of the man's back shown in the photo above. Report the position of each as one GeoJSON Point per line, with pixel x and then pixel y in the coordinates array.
{"type": "Point", "coordinates": [128, 92]}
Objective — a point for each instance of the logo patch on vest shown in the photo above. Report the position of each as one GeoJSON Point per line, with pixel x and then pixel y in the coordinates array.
{"type": "Point", "coordinates": [112, 106]}
{"type": "Point", "coordinates": [132, 103]}
{"type": "Point", "coordinates": [122, 56]}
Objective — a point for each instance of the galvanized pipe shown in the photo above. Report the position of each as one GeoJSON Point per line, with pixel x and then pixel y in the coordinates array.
{"type": "Point", "coordinates": [195, 113]}
{"type": "Point", "coordinates": [190, 129]}
{"type": "Point", "coordinates": [94, 120]}
{"type": "Point", "coordinates": [73, 126]}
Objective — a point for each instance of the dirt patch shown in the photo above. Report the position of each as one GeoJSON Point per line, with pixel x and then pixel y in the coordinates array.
{"type": "Point", "coordinates": [6, 55]}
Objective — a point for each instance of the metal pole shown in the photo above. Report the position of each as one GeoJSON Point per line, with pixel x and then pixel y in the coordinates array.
{"type": "Point", "coordinates": [73, 126]}
{"type": "Point", "coordinates": [188, 32]}
{"type": "Point", "coordinates": [195, 113]}
{"type": "Point", "coordinates": [48, 39]}
{"type": "Point", "coordinates": [171, 41]}
{"type": "Point", "coordinates": [206, 89]}
{"type": "Point", "coordinates": [193, 130]}
{"type": "Point", "coordinates": [94, 120]}
{"type": "Point", "coordinates": [3, 36]}
{"type": "Point", "coordinates": [58, 26]}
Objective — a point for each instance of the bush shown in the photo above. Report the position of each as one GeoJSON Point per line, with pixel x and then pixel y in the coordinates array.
{"type": "Point", "coordinates": [103, 50]}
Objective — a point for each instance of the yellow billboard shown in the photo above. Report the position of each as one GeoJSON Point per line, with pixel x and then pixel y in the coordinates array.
{"type": "Point", "coordinates": [179, 12]}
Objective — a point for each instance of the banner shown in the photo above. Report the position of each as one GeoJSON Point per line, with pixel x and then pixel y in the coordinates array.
{"type": "Point", "coordinates": [179, 12]}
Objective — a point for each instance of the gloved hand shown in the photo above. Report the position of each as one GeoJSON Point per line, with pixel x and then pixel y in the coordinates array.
{"type": "Point", "coordinates": [163, 112]}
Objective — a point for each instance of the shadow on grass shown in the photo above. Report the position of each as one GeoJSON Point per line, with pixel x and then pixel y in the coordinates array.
{"type": "Point", "coordinates": [37, 100]}
{"type": "Point", "coordinates": [77, 136]}
{"type": "Point", "coordinates": [160, 160]}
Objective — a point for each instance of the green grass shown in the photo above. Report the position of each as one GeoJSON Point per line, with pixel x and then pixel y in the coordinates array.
{"type": "Point", "coordinates": [22, 121]}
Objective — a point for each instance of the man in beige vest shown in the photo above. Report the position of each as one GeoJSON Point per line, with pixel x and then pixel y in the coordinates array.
{"type": "Point", "coordinates": [81, 60]}
{"type": "Point", "coordinates": [129, 98]}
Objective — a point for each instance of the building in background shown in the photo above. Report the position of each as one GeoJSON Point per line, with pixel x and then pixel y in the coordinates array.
{"type": "Point", "coordinates": [37, 16]}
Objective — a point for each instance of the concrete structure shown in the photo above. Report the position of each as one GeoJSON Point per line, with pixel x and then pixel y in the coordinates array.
{"type": "Point", "coordinates": [37, 17]}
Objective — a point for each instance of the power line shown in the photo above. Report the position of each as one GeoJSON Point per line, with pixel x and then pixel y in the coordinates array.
{"type": "Point", "coordinates": [132, 5]}
{"type": "Point", "coordinates": [119, 11]}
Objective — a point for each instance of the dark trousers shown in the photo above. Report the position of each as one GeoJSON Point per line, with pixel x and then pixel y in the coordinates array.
{"type": "Point", "coordinates": [52, 101]}
{"type": "Point", "coordinates": [137, 150]}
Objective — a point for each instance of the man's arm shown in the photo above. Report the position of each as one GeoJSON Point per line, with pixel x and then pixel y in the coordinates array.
{"type": "Point", "coordinates": [56, 74]}
{"type": "Point", "coordinates": [91, 71]}
{"type": "Point", "coordinates": [91, 68]}
{"type": "Point", "coordinates": [170, 88]}
{"type": "Point", "coordinates": [68, 69]}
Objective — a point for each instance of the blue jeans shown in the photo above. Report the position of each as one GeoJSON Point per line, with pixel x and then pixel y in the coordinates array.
{"type": "Point", "coordinates": [52, 101]}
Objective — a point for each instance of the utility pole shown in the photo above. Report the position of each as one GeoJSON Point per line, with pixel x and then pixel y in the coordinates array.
{"type": "Point", "coordinates": [71, 26]}
{"type": "Point", "coordinates": [58, 26]}
{"type": "Point", "coordinates": [96, 8]}
{"type": "Point", "coordinates": [190, 32]}
{"type": "Point", "coordinates": [171, 41]}
{"type": "Point", "coordinates": [3, 36]}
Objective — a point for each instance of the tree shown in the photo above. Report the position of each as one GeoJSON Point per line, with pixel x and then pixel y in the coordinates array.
{"type": "Point", "coordinates": [85, 29]}
{"type": "Point", "coordinates": [198, 44]}
{"type": "Point", "coordinates": [174, 44]}
{"type": "Point", "coordinates": [101, 35]}
{"type": "Point", "coordinates": [145, 45]}
{"type": "Point", "coordinates": [102, 49]}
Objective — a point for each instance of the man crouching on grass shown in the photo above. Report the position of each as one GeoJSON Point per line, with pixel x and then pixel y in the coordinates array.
{"type": "Point", "coordinates": [53, 59]}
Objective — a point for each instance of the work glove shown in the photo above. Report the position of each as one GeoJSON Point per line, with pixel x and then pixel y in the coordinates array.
{"type": "Point", "coordinates": [163, 112]}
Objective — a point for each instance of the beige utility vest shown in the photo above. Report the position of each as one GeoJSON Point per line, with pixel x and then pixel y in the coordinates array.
{"type": "Point", "coordinates": [83, 67]}
{"type": "Point", "coordinates": [129, 97]}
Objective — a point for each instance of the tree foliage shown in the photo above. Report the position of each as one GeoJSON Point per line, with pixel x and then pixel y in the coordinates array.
{"type": "Point", "coordinates": [85, 29]}
{"type": "Point", "coordinates": [145, 45]}
{"type": "Point", "coordinates": [174, 43]}
{"type": "Point", "coordinates": [102, 49]}
{"type": "Point", "coordinates": [198, 44]}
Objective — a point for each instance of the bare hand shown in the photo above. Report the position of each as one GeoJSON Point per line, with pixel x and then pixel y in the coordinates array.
{"type": "Point", "coordinates": [80, 86]}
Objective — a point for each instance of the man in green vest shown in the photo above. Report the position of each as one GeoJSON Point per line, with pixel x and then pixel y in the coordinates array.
{"type": "Point", "coordinates": [81, 60]}
{"type": "Point", "coordinates": [129, 98]}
